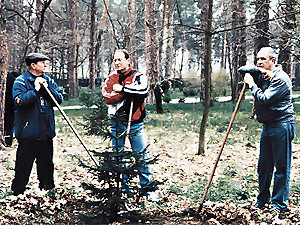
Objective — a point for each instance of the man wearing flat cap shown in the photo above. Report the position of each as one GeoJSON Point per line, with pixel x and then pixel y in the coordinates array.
{"type": "Point", "coordinates": [34, 124]}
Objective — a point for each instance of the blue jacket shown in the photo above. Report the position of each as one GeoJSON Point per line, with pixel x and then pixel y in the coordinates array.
{"type": "Point", "coordinates": [273, 99]}
{"type": "Point", "coordinates": [34, 114]}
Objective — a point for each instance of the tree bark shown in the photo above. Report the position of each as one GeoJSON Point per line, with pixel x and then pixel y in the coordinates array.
{"type": "Point", "coordinates": [206, 24]}
{"type": "Point", "coordinates": [99, 37]}
{"type": "Point", "coordinates": [3, 68]}
{"type": "Point", "coordinates": [239, 56]}
{"type": "Point", "coordinates": [262, 32]}
{"type": "Point", "coordinates": [170, 41]}
{"type": "Point", "coordinates": [289, 24]}
{"type": "Point", "coordinates": [132, 32]}
{"type": "Point", "coordinates": [92, 45]}
{"type": "Point", "coordinates": [150, 14]}
{"type": "Point", "coordinates": [72, 79]}
{"type": "Point", "coordinates": [161, 37]}
{"type": "Point", "coordinates": [41, 8]}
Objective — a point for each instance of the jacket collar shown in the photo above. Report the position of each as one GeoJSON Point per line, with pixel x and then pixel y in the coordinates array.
{"type": "Point", "coordinates": [126, 72]}
{"type": "Point", "coordinates": [31, 77]}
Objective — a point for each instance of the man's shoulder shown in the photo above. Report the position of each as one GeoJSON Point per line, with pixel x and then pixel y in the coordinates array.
{"type": "Point", "coordinates": [21, 79]}
{"type": "Point", "coordinates": [280, 74]}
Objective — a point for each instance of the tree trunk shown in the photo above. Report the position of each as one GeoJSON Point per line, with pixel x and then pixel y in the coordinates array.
{"type": "Point", "coordinates": [239, 56]}
{"type": "Point", "coordinates": [170, 41]}
{"type": "Point", "coordinates": [41, 8]}
{"type": "Point", "coordinates": [99, 37]}
{"type": "Point", "coordinates": [289, 24]}
{"type": "Point", "coordinates": [297, 77]}
{"type": "Point", "coordinates": [3, 68]}
{"type": "Point", "coordinates": [132, 32]}
{"type": "Point", "coordinates": [150, 13]}
{"type": "Point", "coordinates": [234, 47]}
{"type": "Point", "coordinates": [92, 46]}
{"type": "Point", "coordinates": [73, 91]}
{"type": "Point", "coordinates": [206, 24]}
{"type": "Point", "coordinates": [262, 33]}
{"type": "Point", "coordinates": [161, 37]}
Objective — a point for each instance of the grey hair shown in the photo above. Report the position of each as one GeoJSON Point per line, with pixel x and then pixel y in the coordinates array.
{"type": "Point", "coordinates": [272, 53]}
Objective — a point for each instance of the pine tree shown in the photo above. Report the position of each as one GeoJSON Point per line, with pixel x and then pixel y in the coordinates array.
{"type": "Point", "coordinates": [114, 203]}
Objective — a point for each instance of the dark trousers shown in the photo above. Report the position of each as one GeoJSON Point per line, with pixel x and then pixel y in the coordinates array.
{"type": "Point", "coordinates": [275, 161]}
{"type": "Point", "coordinates": [27, 152]}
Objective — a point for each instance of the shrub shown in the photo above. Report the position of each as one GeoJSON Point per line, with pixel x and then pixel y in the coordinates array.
{"type": "Point", "coordinates": [190, 91]}
{"type": "Point", "coordinates": [220, 83]}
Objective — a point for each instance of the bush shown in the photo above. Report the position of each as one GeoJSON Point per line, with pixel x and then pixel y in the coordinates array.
{"type": "Point", "coordinates": [190, 91]}
{"type": "Point", "coordinates": [97, 123]}
{"type": "Point", "coordinates": [220, 83]}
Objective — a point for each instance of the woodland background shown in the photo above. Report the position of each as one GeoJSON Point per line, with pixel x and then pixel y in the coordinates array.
{"type": "Point", "coordinates": [201, 43]}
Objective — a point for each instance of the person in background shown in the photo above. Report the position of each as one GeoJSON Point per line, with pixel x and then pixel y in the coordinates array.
{"type": "Point", "coordinates": [34, 124]}
{"type": "Point", "coordinates": [9, 116]}
{"type": "Point", "coordinates": [272, 91]}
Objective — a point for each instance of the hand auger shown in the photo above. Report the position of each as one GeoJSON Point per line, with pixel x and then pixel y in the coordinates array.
{"type": "Point", "coordinates": [71, 125]}
{"type": "Point", "coordinates": [221, 148]}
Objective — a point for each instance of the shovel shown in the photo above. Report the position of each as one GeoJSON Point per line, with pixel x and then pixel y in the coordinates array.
{"type": "Point", "coordinates": [70, 124]}
{"type": "Point", "coordinates": [221, 148]}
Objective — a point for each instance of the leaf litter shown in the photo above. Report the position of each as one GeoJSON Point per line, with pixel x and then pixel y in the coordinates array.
{"type": "Point", "coordinates": [179, 196]}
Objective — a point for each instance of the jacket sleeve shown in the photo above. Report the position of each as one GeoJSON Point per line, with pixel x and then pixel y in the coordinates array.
{"type": "Point", "coordinates": [139, 85]}
{"type": "Point", "coordinates": [21, 95]}
{"type": "Point", "coordinates": [277, 90]}
{"type": "Point", "coordinates": [110, 96]}
{"type": "Point", "coordinates": [55, 91]}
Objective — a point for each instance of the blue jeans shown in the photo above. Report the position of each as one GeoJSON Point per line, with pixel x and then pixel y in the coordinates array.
{"type": "Point", "coordinates": [137, 140]}
{"type": "Point", "coordinates": [275, 152]}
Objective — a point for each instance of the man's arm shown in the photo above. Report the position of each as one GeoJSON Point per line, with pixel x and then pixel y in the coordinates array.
{"type": "Point", "coordinates": [139, 85]}
{"type": "Point", "coordinates": [277, 89]}
{"type": "Point", "coordinates": [21, 95]}
{"type": "Point", "coordinates": [110, 95]}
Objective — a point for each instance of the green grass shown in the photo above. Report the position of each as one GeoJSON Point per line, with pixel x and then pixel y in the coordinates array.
{"type": "Point", "coordinates": [186, 118]}
{"type": "Point", "coordinates": [71, 102]}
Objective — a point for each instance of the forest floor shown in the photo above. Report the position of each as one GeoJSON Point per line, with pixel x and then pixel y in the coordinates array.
{"type": "Point", "coordinates": [229, 200]}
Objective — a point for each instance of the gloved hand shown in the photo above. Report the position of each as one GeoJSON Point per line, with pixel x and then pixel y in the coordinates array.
{"type": "Point", "coordinates": [38, 81]}
{"type": "Point", "coordinates": [249, 69]}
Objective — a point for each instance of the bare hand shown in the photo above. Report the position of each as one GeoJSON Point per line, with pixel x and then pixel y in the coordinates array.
{"type": "Point", "coordinates": [249, 80]}
{"type": "Point", "coordinates": [38, 81]}
{"type": "Point", "coordinates": [117, 87]}
{"type": "Point", "coordinates": [268, 75]}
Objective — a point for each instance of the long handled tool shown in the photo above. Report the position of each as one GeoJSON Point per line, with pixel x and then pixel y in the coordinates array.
{"type": "Point", "coordinates": [222, 146]}
{"type": "Point", "coordinates": [129, 118]}
{"type": "Point", "coordinates": [129, 123]}
{"type": "Point", "coordinates": [70, 124]}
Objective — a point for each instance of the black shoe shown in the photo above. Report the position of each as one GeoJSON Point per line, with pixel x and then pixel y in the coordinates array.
{"type": "Point", "coordinates": [46, 187]}
{"type": "Point", "coordinates": [16, 193]}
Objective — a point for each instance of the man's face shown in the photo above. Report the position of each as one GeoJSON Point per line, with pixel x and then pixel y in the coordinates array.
{"type": "Point", "coordinates": [121, 63]}
{"type": "Point", "coordinates": [264, 61]}
{"type": "Point", "coordinates": [39, 67]}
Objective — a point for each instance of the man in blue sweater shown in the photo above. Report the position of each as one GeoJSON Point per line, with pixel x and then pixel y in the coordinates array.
{"type": "Point", "coordinates": [272, 91]}
{"type": "Point", "coordinates": [34, 124]}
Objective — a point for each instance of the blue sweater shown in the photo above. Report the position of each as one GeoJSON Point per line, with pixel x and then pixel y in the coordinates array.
{"type": "Point", "coordinates": [34, 114]}
{"type": "Point", "coordinates": [273, 99]}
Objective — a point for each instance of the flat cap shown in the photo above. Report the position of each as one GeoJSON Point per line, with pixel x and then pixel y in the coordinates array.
{"type": "Point", "coordinates": [34, 58]}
